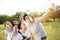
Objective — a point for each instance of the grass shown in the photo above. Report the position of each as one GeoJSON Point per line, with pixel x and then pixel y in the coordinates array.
{"type": "Point", "coordinates": [52, 30]}
{"type": "Point", "coordinates": [2, 33]}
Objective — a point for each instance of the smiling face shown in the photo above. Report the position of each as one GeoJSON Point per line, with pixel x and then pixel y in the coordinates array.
{"type": "Point", "coordinates": [8, 25]}
{"type": "Point", "coordinates": [15, 21]}
{"type": "Point", "coordinates": [23, 26]}
{"type": "Point", "coordinates": [28, 18]}
{"type": "Point", "coordinates": [15, 28]}
{"type": "Point", "coordinates": [21, 18]}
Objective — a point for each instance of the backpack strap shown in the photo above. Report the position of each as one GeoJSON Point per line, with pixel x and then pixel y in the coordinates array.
{"type": "Point", "coordinates": [22, 35]}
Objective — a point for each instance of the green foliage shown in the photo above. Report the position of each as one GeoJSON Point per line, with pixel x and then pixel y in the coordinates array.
{"type": "Point", "coordinates": [34, 15]}
{"type": "Point", "coordinates": [4, 18]}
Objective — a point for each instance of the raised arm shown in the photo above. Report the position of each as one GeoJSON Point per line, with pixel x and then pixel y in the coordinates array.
{"type": "Point", "coordinates": [47, 14]}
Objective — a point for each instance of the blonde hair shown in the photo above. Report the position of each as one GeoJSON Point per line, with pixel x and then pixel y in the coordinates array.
{"type": "Point", "coordinates": [9, 24]}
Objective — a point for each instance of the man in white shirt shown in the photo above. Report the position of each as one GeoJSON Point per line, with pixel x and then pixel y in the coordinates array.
{"type": "Point", "coordinates": [35, 28]}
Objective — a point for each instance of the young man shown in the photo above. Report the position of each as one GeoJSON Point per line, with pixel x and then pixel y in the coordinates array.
{"type": "Point", "coordinates": [35, 28]}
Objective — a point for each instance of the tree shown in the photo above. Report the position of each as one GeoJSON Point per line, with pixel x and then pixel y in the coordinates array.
{"type": "Point", "coordinates": [4, 18]}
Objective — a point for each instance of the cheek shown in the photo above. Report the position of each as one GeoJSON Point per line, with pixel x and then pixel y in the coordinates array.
{"type": "Point", "coordinates": [22, 26]}
{"type": "Point", "coordinates": [27, 20]}
{"type": "Point", "coordinates": [7, 26]}
{"type": "Point", "coordinates": [21, 18]}
{"type": "Point", "coordinates": [16, 29]}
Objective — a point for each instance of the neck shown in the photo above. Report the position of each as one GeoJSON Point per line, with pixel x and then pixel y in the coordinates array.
{"type": "Point", "coordinates": [31, 22]}
{"type": "Point", "coordinates": [22, 20]}
{"type": "Point", "coordinates": [23, 30]}
{"type": "Point", "coordinates": [10, 28]}
{"type": "Point", "coordinates": [15, 32]}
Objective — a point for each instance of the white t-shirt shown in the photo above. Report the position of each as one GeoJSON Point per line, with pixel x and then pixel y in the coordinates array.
{"type": "Point", "coordinates": [9, 36]}
{"type": "Point", "coordinates": [42, 31]}
{"type": "Point", "coordinates": [35, 31]}
{"type": "Point", "coordinates": [17, 37]}
{"type": "Point", "coordinates": [26, 23]}
{"type": "Point", "coordinates": [26, 34]}
{"type": "Point", "coordinates": [8, 33]}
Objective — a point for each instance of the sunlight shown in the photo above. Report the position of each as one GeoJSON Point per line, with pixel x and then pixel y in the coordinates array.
{"type": "Point", "coordinates": [10, 7]}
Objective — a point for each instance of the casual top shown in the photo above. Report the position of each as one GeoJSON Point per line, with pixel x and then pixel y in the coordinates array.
{"type": "Point", "coordinates": [34, 29]}
{"type": "Point", "coordinates": [37, 30]}
{"type": "Point", "coordinates": [42, 30]}
{"type": "Point", "coordinates": [17, 37]}
{"type": "Point", "coordinates": [26, 34]}
{"type": "Point", "coordinates": [8, 33]}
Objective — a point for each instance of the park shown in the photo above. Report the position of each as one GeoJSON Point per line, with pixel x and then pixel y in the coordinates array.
{"type": "Point", "coordinates": [52, 29]}
{"type": "Point", "coordinates": [48, 12]}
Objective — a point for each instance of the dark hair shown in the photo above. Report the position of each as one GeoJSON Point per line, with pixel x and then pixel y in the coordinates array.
{"type": "Point", "coordinates": [19, 26]}
{"type": "Point", "coordinates": [25, 16]}
{"type": "Point", "coordinates": [12, 21]}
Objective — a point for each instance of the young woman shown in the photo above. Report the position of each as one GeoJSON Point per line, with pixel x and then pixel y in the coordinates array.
{"type": "Point", "coordinates": [15, 35]}
{"type": "Point", "coordinates": [14, 22]}
{"type": "Point", "coordinates": [8, 29]}
{"type": "Point", "coordinates": [25, 32]}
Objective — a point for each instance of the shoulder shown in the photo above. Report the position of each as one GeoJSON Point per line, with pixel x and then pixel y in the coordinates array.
{"type": "Point", "coordinates": [6, 31]}
{"type": "Point", "coordinates": [19, 35]}
{"type": "Point", "coordinates": [35, 19]}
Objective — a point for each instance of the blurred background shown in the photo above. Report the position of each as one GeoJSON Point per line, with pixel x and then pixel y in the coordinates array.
{"type": "Point", "coordinates": [10, 9]}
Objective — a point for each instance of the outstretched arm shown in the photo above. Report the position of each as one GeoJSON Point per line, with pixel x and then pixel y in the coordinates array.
{"type": "Point", "coordinates": [47, 14]}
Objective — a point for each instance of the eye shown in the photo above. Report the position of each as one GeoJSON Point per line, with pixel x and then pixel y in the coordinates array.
{"type": "Point", "coordinates": [7, 23]}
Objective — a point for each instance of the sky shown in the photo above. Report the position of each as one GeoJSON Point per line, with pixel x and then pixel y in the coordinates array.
{"type": "Point", "coordinates": [10, 7]}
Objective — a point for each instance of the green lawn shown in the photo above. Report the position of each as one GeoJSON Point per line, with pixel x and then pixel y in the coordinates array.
{"type": "Point", "coordinates": [2, 33]}
{"type": "Point", "coordinates": [52, 29]}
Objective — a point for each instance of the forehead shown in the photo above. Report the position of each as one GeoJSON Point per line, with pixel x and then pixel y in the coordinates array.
{"type": "Point", "coordinates": [28, 16]}
{"type": "Point", "coordinates": [7, 22]}
{"type": "Point", "coordinates": [20, 16]}
{"type": "Point", "coordinates": [22, 24]}
{"type": "Point", "coordinates": [15, 26]}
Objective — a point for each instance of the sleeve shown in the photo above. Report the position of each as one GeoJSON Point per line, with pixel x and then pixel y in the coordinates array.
{"type": "Point", "coordinates": [43, 33]}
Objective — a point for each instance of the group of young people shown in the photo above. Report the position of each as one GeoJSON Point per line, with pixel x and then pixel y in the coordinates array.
{"type": "Point", "coordinates": [27, 28]}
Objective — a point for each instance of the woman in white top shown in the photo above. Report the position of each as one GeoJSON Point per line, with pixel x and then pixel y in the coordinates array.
{"type": "Point", "coordinates": [8, 30]}
{"type": "Point", "coordinates": [25, 32]}
{"type": "Point", "coordinates": [15, 35]}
